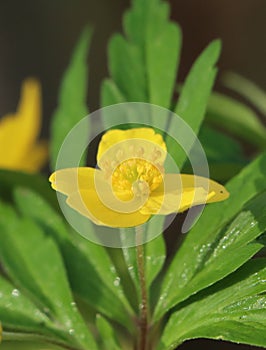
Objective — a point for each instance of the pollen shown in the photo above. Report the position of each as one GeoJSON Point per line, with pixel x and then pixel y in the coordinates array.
{"type": "Point", "coordinates": [137, 175]}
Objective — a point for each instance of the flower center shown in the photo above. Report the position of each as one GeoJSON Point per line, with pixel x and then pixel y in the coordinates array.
{"type": "Point", "coordinates": [138, 176]}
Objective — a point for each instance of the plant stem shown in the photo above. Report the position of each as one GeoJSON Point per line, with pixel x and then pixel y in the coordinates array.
{"type": "Point", "coordinates": [143, 319]}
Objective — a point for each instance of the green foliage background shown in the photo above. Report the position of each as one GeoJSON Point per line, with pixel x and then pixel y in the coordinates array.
{"type": "Point", "coordinates": [59, 288]}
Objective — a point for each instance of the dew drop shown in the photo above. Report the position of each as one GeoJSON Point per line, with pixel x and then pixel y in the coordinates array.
{"type": "Point", "coordinates": [15, 293]}
{"type": "Point", "coordinates": [141, 306]}
{"type": "Point", "coordinates": [71, 331]}
{"type": "Point", "coordinates": [243, 317]}
{"type": "Point", "coordinates": [73, 305]}
{"type": "Point", "coordinates": [117, 281]}
{"type": "Point", "coordinates": [112, 268]}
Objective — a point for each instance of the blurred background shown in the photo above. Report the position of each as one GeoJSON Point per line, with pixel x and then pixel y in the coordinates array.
{"type": "Point", "coordinates": [38, 36]}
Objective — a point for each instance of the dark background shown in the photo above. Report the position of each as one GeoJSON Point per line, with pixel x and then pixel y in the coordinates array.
{"type": "Point", "coordinates": [37, 38]}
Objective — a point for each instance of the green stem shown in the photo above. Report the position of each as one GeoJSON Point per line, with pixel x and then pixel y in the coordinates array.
{"type": "Point", "coordinates": [143, 317]}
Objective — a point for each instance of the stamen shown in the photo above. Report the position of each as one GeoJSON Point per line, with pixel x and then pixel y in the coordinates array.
{"type": "Point", "coordinates": [140, 188]}
{"type": "Point", "coordinates": [137, 175]}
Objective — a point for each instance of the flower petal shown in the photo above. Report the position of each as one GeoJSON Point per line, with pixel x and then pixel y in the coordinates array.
{"type": "Point", "coordinates": [71, 180]}
{"type": "Point", "coordinates": [18, 132]}
{"type": "Point", "coordinates": [88, 203]}
{"type": "Point", "coordinates": [179, 192]}
{"type": "Point", "coordinates": [218, 191]}
{"type": "Point", "coordinates": [35, 159]}
{"type": "Point", "coordinates": [131, 142]}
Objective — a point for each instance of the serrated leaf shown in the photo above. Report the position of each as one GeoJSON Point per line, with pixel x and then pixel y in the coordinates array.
{"type": "Point", "coordinates": [209, 230]}
{"type": "Point", "coordinates": [143, 65]}
{"type": "Point", "coordinates": [192, 102]}
{"type": "Point", "coordinates": [235, 245]}
{"type": "Point", "coordinates": [85, 261]}
{"type": "Point", "coordinates": [21, 318]}
{"type": "Point", "coordinates": [147, 26]}
{"type": "Point", "coordinates": [236, 118]}
{"type": "Point", "coordinates": [107, 334]}
{"type": "Point", "coordinates": [233, 309]}
{"type": "Point", "coordinates": [24, 250]}
{"type": "Point", "coordinates": [127, 69]}
{"type": "Point", "coordinates": [18, 313]}
{"type": "Point", "coordinates": [72, 106]}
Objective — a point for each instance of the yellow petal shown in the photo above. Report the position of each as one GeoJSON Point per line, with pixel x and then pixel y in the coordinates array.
{"type": "Point", "coordinates": [73, 180]}
{"type": "Point", "coordinates": [19, 131]}
{"type": "Point", "coordinates": [143, 142]}
{"type": "Point", "coordinates": [87, 203]}
{"type": "Point", "coordinates": [35, 159]}
{"type": "Point", "coordinates": [219, 192]}
{"type": "Point", "coordinates": [180, 192]}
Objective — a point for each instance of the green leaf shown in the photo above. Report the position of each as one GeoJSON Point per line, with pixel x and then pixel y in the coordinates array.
{"type": "Point", "coordinates": [15, 345]}
{"type": "Point", "coordinates": [236, 118]}
{"type": "Point", "coordinates": [107, 334]}
{"type": "Point", "coordinates": [18, 313]}
{"type": "Point", "coordinates": [127, 69]}
{"type": "Point", "coordinates": [110, 93]}
{"type": "Point", "coordinates": [224, 154]}
{"type": "Point", "coordinates": [155, 250]}
{"type": "Point", "coordinates": [192, 102]}
{"type": "Point", "coordinates": [143, 65]}
{"type": "Point", "coordinates": [235, 245]}
{"type": "Point", "coordinates": [92, 273]}
{"type": "Point", "coordinates": [219, 146]}
{"type": "Point", "coordinates": [247, 89]}
{"type": "Point", "coordinates": [10, 179]}
{"type": "Point", "coordinates": [211, 229]}
{"type": "Point", "coordinates": [233, 309]}
{"type": "Point", "coordinates": [72, 106]}
{"type": "Point", "coordinates": [147, 26]}
{"type": "Point", "coordinates": [24, 253]}
{"type": "Point", "coordinates": [130, 258]}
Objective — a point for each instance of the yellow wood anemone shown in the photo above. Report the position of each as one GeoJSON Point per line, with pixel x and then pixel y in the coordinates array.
{"type": "Point", "coordinates": [19, 148]}
{"type": "Point", "coordinates": [131, 185]}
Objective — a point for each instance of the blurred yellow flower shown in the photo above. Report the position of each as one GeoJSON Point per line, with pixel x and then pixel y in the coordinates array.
{"type": "Point", "coordinates": [19, 148]}
{"type": "Point", "coordinates": [130, 185]}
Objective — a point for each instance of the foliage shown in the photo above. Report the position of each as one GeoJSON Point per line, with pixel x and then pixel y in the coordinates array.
{"type": "Point", "coordinates": [58, 287]}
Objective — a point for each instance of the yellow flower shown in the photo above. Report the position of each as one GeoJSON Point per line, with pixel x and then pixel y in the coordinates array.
{"type": "Point", "coordinates": [130, 185]}
{"type": "Point", "coordinates": [19, 149]}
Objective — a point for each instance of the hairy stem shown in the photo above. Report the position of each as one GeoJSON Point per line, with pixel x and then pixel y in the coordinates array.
{"type": "Point", "coordinates": [143, 317]}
